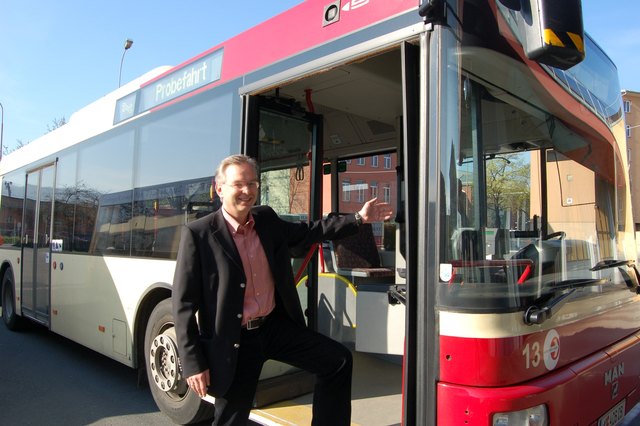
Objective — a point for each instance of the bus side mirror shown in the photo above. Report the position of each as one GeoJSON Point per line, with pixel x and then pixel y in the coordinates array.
{"type": "Point", "coordinates": [552, 31]}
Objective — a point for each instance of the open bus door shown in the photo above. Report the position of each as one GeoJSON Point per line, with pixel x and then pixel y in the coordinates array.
{"type": "Point", "coordinates": [286, 141]}
{"type": "Point", "coordinates": [413, 200]}
{"type": "Point", "coordinates": [371, 122]}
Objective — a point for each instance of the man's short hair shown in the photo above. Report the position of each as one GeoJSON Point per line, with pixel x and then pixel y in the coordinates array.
{"type": "Point", "coordinates": [237, 159]}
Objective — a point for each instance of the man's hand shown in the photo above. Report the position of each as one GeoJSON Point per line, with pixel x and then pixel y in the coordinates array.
{"type": "Point", "coordinates": [373, 211]}
{"type": "Point", "coordinates": [199, 383]}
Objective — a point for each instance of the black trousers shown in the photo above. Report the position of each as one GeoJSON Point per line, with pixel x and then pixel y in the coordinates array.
{"type": "Point", "coordinates": [282, 340]}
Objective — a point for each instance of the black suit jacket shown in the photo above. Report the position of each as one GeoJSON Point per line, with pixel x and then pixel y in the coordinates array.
{"type": "Point", "coordinates": [208, 290]}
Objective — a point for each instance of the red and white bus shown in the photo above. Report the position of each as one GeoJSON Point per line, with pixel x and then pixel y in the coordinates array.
{"type": "Point", "coordinates": [504, 292]}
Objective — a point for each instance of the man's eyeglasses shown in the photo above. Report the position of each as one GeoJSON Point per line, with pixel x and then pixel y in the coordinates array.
{"type": "Point", "coordinates": [239, 186]}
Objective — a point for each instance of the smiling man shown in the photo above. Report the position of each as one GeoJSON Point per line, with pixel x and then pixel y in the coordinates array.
{"type": "Point", "coordinates": [235, 302]}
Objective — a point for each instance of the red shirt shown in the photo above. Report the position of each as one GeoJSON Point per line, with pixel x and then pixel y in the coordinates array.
{"type": "Point", "coordinates": [259, 297]}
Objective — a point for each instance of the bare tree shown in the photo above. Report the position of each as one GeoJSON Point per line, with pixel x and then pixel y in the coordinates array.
{"type": "Point", "coordinates": [57, 122]}
{"type": "Point", "coordinates": [19, 144]}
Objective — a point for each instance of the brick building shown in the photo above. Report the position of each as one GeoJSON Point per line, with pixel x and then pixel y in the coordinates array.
{"type": "Point", "coordinates": [631, 104]}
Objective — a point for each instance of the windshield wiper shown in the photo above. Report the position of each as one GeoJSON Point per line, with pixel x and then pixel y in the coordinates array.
{"type": "Point", "coordinates": [632, 281]}
{"type": "Point", "coordinates": [605, 264]}
{"type": "Point", "coordinates": [546, 306]}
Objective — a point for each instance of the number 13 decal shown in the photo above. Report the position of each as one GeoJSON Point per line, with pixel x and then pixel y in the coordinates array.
{"type": "Point", "coordinates": [549, 351]}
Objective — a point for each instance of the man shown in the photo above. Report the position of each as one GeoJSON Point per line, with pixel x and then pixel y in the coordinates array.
{"type": "Point", "coordinates": [235, 303]}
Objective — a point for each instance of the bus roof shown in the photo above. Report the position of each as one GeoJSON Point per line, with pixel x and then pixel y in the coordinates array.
{"type": "Point", "coordinates": [304, 27]}
{"type": "Point", "coordinates": [89, 121]}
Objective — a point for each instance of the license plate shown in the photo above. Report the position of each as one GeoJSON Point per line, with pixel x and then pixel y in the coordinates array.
{"type": "Point", "coordinates": [613, 416]}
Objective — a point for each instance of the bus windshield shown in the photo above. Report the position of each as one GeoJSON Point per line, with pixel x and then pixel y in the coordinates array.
{"type": "Point", "coordinates": [528, 204]}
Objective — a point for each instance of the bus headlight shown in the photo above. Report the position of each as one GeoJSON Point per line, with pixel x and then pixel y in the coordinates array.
{"type": "Point", "coordinates": [534, 416]}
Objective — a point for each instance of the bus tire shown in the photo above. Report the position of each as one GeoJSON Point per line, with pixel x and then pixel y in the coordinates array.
{"type": "Point", "coordinates": [11, 319]}
{"type": "Point", "coordinates": [168, 388]}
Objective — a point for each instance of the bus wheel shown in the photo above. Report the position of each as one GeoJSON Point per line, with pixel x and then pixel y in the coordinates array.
{"type": "Point", "coordinates": [9, 315]}
{"type": "Point", "coordinates": [168, 387]}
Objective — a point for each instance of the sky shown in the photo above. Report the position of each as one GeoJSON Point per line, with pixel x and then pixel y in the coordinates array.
{"type": "Point", "coordinates": [59, 56]}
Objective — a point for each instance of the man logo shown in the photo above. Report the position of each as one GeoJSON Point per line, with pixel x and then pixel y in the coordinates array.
{"type": "Point", "coordinates": [613, 374]}
{"type": "Point", "coordinates": [611, 377]}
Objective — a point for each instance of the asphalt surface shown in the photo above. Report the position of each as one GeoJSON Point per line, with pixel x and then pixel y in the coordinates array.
{"type": "Point", "coordinates": [633, 417]}
{"type": "Point", "coordinates": [46, 379]}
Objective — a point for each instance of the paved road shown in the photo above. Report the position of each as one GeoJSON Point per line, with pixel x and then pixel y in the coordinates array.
{"type": "Point", "coordinates": [48, 380]}
{"type": "Point", "coordinates": [633, 417]}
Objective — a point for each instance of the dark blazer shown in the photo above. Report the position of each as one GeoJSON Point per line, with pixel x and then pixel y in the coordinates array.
{"type": "Point", "coordinates": [209, 284]}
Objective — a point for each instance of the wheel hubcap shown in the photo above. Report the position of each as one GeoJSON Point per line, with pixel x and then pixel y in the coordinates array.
{"type": "Point", "coordinates": [164, 362]}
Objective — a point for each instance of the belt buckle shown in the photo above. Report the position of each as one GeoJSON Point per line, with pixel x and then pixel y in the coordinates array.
{"type": "Point", "coordinates": [254, 323]}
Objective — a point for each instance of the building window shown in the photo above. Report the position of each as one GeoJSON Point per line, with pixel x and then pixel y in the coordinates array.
{"type": "Point", "coordinates": [361, 187]}
{"type": "Point", "coordinates": [387, 194]}
{"type": "Point", "coordinates": [374, 189]}
{"type": "Point", "coordinates": [628, 131]}
{"type": "Point", "coordinates": [387, 161]}
{"type": "Point", "coordinates": [361, 161]}
{"type": "Point", "coordinates": [627, 106]}
{"type": "Point", "coordinates": [346, 190]}
{"type": "Point", "coordinates": [374, 161]}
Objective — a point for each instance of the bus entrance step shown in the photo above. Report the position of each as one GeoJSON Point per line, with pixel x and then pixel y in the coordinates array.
{"type": "Point", "coordinates": [280, 388]}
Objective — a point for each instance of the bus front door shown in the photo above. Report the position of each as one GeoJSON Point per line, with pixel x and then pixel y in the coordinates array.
{"type": "Point", "coordinates": [285, 139]}
{"type": "Point", "coordinates": [36, 243]}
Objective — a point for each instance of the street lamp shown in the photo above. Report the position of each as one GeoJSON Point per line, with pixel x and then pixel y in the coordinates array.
{"type": "Point", "coordinates": [127, 46]}
{"type": "Point", "coordinates": [1, 130]}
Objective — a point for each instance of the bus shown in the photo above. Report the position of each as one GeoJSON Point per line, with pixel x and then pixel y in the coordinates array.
{"type": "Point", "coordinates": [504, 291]}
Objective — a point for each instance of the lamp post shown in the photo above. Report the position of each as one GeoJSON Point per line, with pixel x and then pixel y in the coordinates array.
{"type": "Point", "coordinates": [1, 130]}
{"type": "Point", "coordinates": [127, 46]}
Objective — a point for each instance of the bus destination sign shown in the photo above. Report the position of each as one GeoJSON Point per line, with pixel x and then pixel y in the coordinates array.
{"type": "Point", "coordinates": [173, 85]}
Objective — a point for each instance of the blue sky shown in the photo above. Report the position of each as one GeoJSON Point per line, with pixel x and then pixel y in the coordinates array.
{"type": "Point", "coordinates": [58, 56]}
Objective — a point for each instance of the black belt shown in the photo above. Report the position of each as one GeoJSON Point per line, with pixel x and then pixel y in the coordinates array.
{"type": "Point", "coordinates": [252, 324]}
